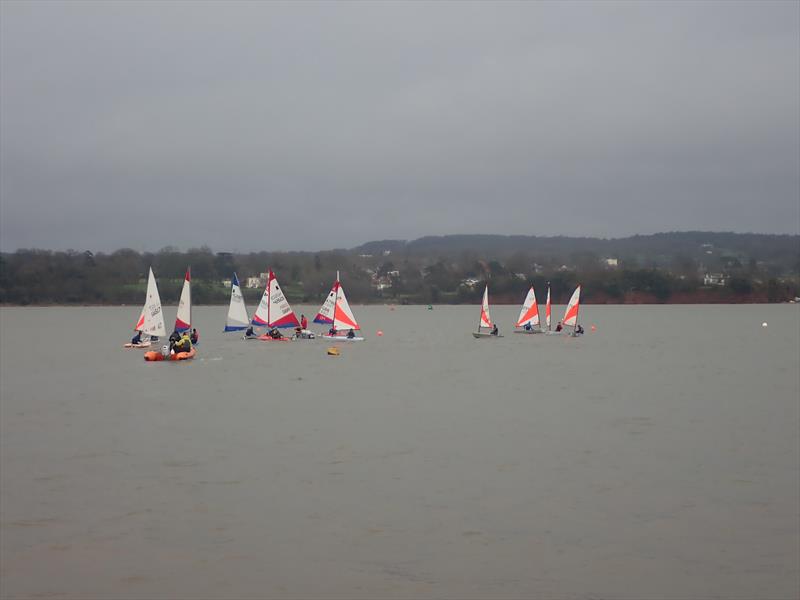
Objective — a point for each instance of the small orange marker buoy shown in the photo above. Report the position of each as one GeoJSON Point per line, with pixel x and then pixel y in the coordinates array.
{"type": "Point", "coordinates": [380, 333]}
{"type": "Point", "coordinates": [594, 327]}
{"type": "Point", "coordinates": [333, 351]}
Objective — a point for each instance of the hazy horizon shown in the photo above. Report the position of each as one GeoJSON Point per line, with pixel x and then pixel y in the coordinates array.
{"type": "Point", "coordinates": [315, 125]}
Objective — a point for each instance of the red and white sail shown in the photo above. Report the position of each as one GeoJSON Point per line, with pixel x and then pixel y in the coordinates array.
{"type": "Point", "coordinates": [530, 310]}
{"type": "Point", "coordinates": [151, 319]}
{"type": "Point", "coordinates": [343, 318]}
{"type": "Point", "coordinates": [184, 318]}
{"type": "Point", "coordinates": [547, 309]}
{"type": "Point", "coordinates": [571, 314]}
{"type": "Point", "coordinates": [279, 312]}
{"type": "Point", "coordinates": [486, 319]}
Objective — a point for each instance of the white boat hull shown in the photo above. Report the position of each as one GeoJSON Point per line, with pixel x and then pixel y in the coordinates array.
{"type": "Point", "coordinates": [481, 335]}
{"type": "Point", "coordinates": [341, 338]}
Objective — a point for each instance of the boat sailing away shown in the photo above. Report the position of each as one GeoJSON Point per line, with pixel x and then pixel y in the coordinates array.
{"type": "Point", "coordinates": [335, 311]}
{"type": "Point", "coordinates": [485, 322]}
{"type": "Point", "coordinates": [274, 311]}
{"type": "Point", "coordinates": [183, 321]}
{"type": "Point", "coordinates": [529, 315]}
{"type": "Point", "coordinates": [571, 313]}
{"type": "Point", "coordinates": [151, 319]}
{"type": "Point", "coordinates": [547, 310]}
{"type": "Point", "coordinates": [237, 311]}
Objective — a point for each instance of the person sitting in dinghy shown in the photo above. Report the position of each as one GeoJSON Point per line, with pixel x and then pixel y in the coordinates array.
{"type": "Point", "coordinates": [527, 326]}
{"type": "Point", "coordinates": [303, 322]}
{"type": "Point", "coordinates": [184, 344]}
{"type": "Point", "coordinates": [250, 333]}
{"type": "Point", "coordinates": [495, 331]}
{"type": "Point", "coordinates": [137, 339]}
{"type": "Point", "coordinates": [195, 336]}
{"type": "Point", "coordinates": [559, 327]}
{"type": "Point", "coordinates": [351, 334]}
{"type": "Point", "coordinates": [275, 334]}
{"type": "Point", "coordinates": [332, 331]}
{"type": "Point", "coordinates": [578, 330]}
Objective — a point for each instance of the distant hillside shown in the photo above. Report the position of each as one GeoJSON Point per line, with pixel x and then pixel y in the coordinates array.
{"type": "Point", "coordinates": [684, 267]}
{"type": "Point", "coordinates": [781, 251]}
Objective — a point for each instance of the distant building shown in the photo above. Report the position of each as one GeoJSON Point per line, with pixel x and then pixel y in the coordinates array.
{"type": "Point", "coordinates": [521, 276]}
{"type": "Point", "coordinates": [387, 252]}
{"type": "Point", "coordinates": [226, 283]}
{"type": "Point", "coordinates": [714, 279]}
{"type": "Point", "coordinates": [365, 255]}
{"type": "Point", "coordinates": [470, 282]}
{"type": "Point", "coordinates": [256, 282]}
{"type": "Point", "coordinates": [393, 273]}
{"type": "Point", "coordinates": [611, 263]}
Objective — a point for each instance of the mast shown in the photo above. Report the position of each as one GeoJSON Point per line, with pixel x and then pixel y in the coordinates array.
{"type": "Point", "coordinates": [336, 301]}
{"type": "Point", "coordinates": [189, 272]}
{"type": "Point", "coordinates": [269, 297]}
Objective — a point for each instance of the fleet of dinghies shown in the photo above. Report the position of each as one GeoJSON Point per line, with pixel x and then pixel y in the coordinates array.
{"type": "Point", "coordinates": [274, 312]}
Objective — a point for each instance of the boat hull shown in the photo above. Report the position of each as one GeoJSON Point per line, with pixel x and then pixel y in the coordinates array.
{"type": "Point", "coordinates": [480, 335]}
{"type": "Point", "coordinates": [269, 338]}
{"type": "Point", "coordinates": [341, 338]}
{"type": "Point", "coordinates": [153, 356]}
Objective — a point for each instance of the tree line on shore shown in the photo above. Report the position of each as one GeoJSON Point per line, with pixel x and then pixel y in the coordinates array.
{"type": "Point", "coordinates": [393, 273]}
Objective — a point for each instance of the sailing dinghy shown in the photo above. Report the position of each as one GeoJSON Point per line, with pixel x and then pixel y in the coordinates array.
{"type": "Point", "coordinates": [528, 319]}
{"type": "Point", "coordinates": [485, 322]}
{"type": "Point", "coordinates": [183, 321]}
{"type": "Point", "coordinates": [274, 311]}
{"type": "Point", "coordinates": [547, 310]}
{"type": "Point", "coordinates": [151, 319]}
{"type": "Point", "coordinates": [237, 319]}
{"type": "Point", "coordinates": [335, 311]}
{"type": "Point", "coordinates": [571, 313]}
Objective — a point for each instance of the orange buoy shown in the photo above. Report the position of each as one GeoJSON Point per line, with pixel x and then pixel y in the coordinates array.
{"type": "Point", "coordinates": [380, 333]}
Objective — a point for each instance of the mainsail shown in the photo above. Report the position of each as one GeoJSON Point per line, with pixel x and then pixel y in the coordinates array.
{"type": "Point", "coordinates": [547, 308]}
{"type": "Point", "coordinates": [336, 310]}
{"type": "Point", "coordinates": [151, 319]}
{"type": "Point", "coordinates": [184, 318]}
{"type": "Point", "coordinates": [530, 310]}
{"type": "Point", "coordinates": [343, 317]}
{"type": "Point", "coordinates": [279, 313]}
{"type": "Point", "coordinates": [325, 314]}
{"type": "Point", "coordinates": [274, 309]}
{"type": "Point", "coordinates": [486, 320]}
{"type": "Point", "coordinates": [571, 314]}
{"type": "Point", "coordinates": [237, 311]}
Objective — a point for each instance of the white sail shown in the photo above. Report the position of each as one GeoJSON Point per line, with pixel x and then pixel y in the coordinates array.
{"type": "Point", "coordinates": [153, 322]}
{"type": "Point", "coordinates": [571, 314]}
{"type": "Point", "coordinates": [343, 318]}
{"type": "Point", "coordinates": [486, 319]}
{"type": "Point", "coordinates": [530, 310]}
{"type": "Point", "coordinates": [547, 309]}
{"type": "Point", "coordinates": [280, 313]}
{"type": "Point", "coordinates": [261, 316]}
{"type": "Point", "coordinates": [184, 319]}
{"type": "Point", "coordinates": [237, 311]}
{"type": "Point", "coordinates": [325, 313]}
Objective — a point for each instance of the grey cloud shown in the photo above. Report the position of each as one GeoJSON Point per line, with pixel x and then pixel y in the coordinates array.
{"type": "Point", "coordinates": [314, 125]}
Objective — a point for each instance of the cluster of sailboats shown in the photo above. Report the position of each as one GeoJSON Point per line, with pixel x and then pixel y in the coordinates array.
{"type": "Point", "coordinates": [274, 313]}
{"type": "Point", "coordinates": [528, 320]}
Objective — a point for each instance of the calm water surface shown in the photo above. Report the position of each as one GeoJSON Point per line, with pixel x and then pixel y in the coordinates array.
{"type": "Point", "coordinates": [657, 457]}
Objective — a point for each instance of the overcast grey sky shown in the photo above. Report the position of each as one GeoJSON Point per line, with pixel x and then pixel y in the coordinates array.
{"type": "Point", "coordinates": [267, 125]}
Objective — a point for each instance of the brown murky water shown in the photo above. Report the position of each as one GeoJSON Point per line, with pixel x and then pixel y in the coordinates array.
{"type": "Point", "coordinates": [657, 457]}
